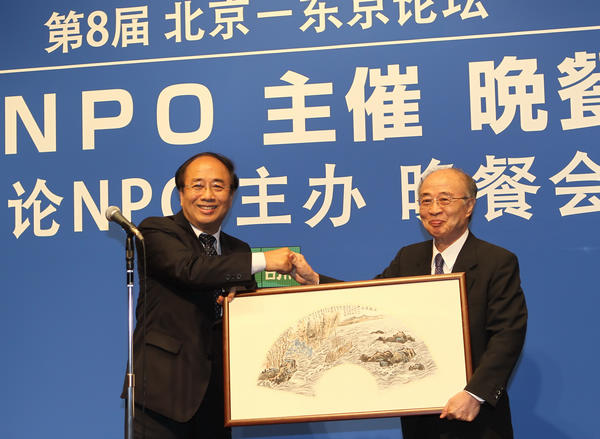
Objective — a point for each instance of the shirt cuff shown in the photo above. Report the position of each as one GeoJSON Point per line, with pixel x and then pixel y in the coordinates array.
{"type": "Point", "coordinates": [481, 401]}
{"type": "Point", "coordinates": [259, 262]}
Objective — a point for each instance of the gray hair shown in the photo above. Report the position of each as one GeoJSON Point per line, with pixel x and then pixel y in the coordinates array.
{"type": "Point", "coordinates": [470, 184]}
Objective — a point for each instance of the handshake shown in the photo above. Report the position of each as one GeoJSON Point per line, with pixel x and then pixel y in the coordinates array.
{"type": "Point", "coordinates": [285, 261]}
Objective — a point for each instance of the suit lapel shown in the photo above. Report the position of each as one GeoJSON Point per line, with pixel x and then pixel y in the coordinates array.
{"type": "Point", "coordinates": [225, 243]}
{"type": "Point", "coordinates": [225, 239]}
{"type": "Point", "coordinates": [467, 260]}
{"type": "Point", "coordinates": [423, 261]}
{"type": "Point", "coordinates": [185, 225]}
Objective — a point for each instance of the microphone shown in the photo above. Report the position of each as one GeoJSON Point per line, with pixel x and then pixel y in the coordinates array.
{"type": "Point", "coordinates": [113, 213]}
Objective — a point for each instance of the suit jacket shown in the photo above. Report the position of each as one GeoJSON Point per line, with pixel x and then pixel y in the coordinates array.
{"type": "Point", "coordinates": [497, 320]}
{"type": "Point", "coordinates": [173, 347]}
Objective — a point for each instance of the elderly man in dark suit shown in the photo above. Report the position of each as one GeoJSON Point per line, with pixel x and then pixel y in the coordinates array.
{"type": "Point", "coordinates": [497, 310]}
{"type": "Point", "coordinates": [189, 261]}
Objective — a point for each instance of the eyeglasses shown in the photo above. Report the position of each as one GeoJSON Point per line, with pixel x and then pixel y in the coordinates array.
{"type": "Point", "coordinates": [442, 200]}
{"type": "Point", "coordinates": [215, 187]}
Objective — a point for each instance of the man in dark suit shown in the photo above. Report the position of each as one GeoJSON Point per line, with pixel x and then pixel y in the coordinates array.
{"type": "Point", "coordinates": [497, 310]}
{"type": "Point", "coordinates": [186, 262]}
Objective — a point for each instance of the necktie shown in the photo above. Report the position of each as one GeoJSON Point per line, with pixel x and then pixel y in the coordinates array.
{"type": "Point", "coordinates": [439, 264]}
{"type": "Point", "coordinates": [208, 242]}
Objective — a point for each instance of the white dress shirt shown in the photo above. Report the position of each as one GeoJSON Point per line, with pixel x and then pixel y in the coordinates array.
{"type": "Point", "coordinates": [259, 263]}
{"type": "Point", "coordinates": [449, 255]}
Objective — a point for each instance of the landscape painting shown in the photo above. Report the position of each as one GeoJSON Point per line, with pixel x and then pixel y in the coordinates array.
{"type": "Point", "coordinates": [356, 349]}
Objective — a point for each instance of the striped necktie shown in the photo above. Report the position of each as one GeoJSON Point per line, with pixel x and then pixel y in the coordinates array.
{"type": "Point", "coordinates": [208, 243]}
{"type": "Point", "coordinates": [439, 264]}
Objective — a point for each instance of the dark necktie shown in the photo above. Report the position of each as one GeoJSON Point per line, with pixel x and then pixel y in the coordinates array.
{"type": "Point", "coordinates": [208, 242]}
{"type": "Point", "coordinates": [439, 264]}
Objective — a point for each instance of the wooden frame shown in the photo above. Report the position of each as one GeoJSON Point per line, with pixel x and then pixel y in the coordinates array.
{"type": "Point", "coordinates": [346, 350]}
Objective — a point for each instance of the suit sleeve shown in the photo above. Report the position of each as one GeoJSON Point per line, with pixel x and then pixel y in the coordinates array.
{"type": "Point", "coordinates": [505, 325]}
{"type": "Point", "coordinates": [172, 256]}
{"type": "Point", "coordinates": [393, 269]}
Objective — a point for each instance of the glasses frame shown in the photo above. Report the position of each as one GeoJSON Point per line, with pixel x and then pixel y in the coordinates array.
{"type": "Point", "coordinates": [215, 187]}
{"type": "Point", "coordinates": [437, 200]}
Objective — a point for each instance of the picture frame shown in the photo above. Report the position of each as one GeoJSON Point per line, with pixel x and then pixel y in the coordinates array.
{"type": "Point", "coordinates": [377, 348]}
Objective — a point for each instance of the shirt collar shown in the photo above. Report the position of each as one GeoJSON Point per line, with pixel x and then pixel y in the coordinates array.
{"type": "Point", "coordinates": [217, 235]}
{"type": "Point", "coordinates": [450, 254]}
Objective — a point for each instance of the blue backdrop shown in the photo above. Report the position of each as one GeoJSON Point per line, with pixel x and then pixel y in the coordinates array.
{"type": "Point", "coordinates": [333, 109]}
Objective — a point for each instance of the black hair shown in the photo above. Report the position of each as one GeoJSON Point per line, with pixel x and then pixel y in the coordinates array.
{"type": "Point", "coordinates": [180, 173]}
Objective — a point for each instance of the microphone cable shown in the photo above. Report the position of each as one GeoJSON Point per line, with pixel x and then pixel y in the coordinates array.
{"type": "Point", "coordinates": [144, 266]}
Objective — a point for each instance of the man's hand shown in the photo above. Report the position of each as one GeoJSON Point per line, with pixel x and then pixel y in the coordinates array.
{"type": "Point", "coordinates": [301, 271]}
{"type": "Point", "coordinates": [279, 260]}
{"type": "Point", "coordinates": [229, 297]}
{"type": "Point", "coordinates": [462, 407]}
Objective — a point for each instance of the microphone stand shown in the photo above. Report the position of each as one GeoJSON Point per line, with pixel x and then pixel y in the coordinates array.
{"type": "Point", "coordinates": [129, 255]}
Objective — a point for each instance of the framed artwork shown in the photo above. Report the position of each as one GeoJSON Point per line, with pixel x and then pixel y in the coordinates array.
{"type": "Point", "coordinates": [345, 350]}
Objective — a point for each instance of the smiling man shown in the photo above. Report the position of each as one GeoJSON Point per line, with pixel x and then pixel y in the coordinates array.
{"type": "Point", "coordinates": [190, 261]}
{"type": "Point", "coordinates": [205, 192]}
{"type": "Point", "coordinates": [497, 310]}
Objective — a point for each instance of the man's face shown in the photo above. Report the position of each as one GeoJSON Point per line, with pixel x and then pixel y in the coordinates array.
{"type": "Point", "coordinates": [445, 223]}
{"type": "Point", "coordinates": [206, 197]}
